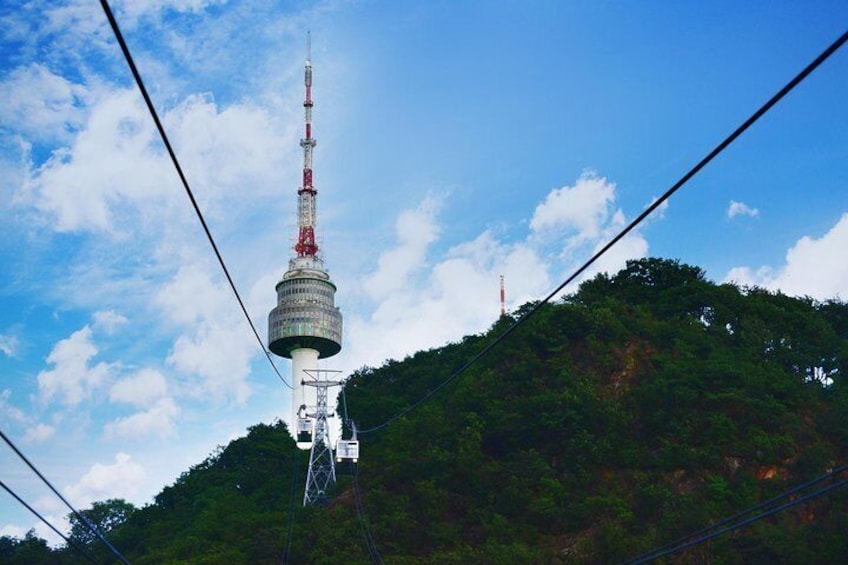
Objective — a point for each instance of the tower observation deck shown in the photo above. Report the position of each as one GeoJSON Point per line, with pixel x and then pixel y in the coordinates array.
{"type": "Point", "coordinates": [305, 325]}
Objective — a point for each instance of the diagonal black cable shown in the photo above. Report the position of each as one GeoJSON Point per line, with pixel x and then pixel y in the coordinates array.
{"type": "Point", "coordinates": [373, 552]}
{"type": "Point", "coordinates": [182, 176]}
{"type": "Point", "coordinates": [81, 518]}
{"type": "Point", "coordinates": [284, 560]}
{"type": "Point", "coordinates": [736, 526]}
{"type": "Point", "coordinates": [656, 204]}
{"type": "Point", "coordinates": [68, 541]}
{"type": "Point", "coordinates": [775, 499]}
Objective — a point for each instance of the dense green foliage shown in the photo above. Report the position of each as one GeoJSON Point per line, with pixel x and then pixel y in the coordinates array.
{"type": "Point", "coordinates": [643, 407]}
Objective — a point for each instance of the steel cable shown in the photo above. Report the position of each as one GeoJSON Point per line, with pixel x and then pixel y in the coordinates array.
{"type": "Point", "coordinates": [830, 50]}
{"type": "Point", "coordinates": [68, 541]}
{"type": "Point", "coordinates": [184, 180]}
{"type": "Point", "coordinates": [79, 516]}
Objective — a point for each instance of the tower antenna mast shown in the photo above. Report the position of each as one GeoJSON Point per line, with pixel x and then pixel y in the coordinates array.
{"type": "Point", "coordinates": [306, 245]}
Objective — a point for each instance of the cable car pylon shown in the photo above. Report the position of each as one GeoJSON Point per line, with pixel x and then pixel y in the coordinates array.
{"type": "Point", "coordinates": [321, 476]}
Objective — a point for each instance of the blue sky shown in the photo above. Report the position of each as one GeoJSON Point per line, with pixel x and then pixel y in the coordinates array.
{"type": "Point", "coordinates": [457, 141]}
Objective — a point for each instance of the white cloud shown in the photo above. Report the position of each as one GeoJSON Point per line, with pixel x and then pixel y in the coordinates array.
{"type": "Point", "coordinates": [132, 10]}
{"type": "Point", "coordinates": [741, 209]}
{"type": "Point", "coordinates": [231, 152]}
{"type": "Point", "coordinates": [659, 212]}
{"type": "Point", "coordinates": [50, 115]}
{"type": "Point", "coordinates": [582, 208]}
{"type": "Point", "coordinates": [216, 344]}
{"type": "Point", "coordinates": [416, 230]}
{"type": "Point", "coordinates": [458, 295]}
{"type": "Point", "coordinates": [15, 414]}
{"type": "Point", "coordinates": [813, 267]}
{"type": "Point", "coordinates": [39, 433]}
{"type": "Point", "coordinates": [191, 296]}
{"type": "Point", "coordinates": [12, 530]}
{"type": "Point", "coordinates": [136, 169]}
{"type": "Point", "coordinates": [108, 320]}
{"type": "Point", "coordinates": [579, 220]}
{"type": "Point", "coordinates": [632, 246]}
{"type": "Point", "coordinates": [71, 377]}
{"type": "Point", "coordinates": [158, 421]}
{"type": "Point", "coordinates": [8, 345]}
{"type": "Point", "coordinates": [422, 303]}
{"type": "Point", "coordinates": [140, 389]}
{"type": "Point", "coordinates": [219, 353]}
{"type": "Point", "coordinates": [121, 479]}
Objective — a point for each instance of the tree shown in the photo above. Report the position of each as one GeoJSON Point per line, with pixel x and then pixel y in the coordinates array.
{"type": "Point", "coordinates": [104, 516]}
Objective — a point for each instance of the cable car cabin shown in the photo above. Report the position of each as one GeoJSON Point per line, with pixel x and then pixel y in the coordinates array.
{"type": "Point", "coordinates": [304, 430]}
{"type": "Point", "coordinates": [347, 455]}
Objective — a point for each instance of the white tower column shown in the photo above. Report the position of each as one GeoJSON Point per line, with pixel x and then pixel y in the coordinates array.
{"type": "Point", "coordinates": [303, 360]}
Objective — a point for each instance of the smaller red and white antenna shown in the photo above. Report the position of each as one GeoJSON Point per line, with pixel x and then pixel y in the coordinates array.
{"type": "Point", "coordinates": [503, 298]}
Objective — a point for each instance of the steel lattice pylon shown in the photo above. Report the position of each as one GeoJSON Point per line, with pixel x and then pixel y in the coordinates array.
{"type": "Point", "coordinates": [321, 476]}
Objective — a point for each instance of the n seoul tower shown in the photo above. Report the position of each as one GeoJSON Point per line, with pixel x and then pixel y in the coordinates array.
{"type": "Point", "coordinates": [306, 325]}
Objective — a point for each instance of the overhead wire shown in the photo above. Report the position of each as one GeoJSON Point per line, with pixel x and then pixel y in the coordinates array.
{"type": "Point", "coordinates": [739, 515]}
{"type": "Point", "coordinates": [125, 49]}
{"type": "Point", "coordinates": [373, 552]}
{"type": "Point", "coordinates": [821, 58]}
{"type": "Point", "coordinates": [68, 541]}
{"type": "Point", "coordinates": [367, 537]}
{"type": "Point", "coordinates": [92, 528]}
{"type": "Point", "coordinates": [666, 550]}
{"type": "Point", "coordinates": [284, 560]}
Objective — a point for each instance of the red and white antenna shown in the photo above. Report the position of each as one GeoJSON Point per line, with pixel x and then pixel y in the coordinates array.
{"type": "Point", "coordinates": [503, 298]}
{"type": "Point", "coordinates": [306, 245]}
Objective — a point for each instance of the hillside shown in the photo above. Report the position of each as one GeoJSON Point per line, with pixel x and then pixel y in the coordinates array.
{"type": "Point", "coordinates": [645, 406]}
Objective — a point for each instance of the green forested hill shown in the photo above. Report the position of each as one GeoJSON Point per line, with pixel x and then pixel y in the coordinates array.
{"type": "Point", "coordinates": [645, 406]}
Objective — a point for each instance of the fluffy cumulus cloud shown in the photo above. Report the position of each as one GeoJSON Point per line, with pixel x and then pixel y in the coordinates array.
{"type": "Point", "coordinates": [579, 220]}
{"type": "Point", "coordinates": [741, 209]}
{"type": "Point", "coordinates": [632, 246]}
{"type": "Point", "coordinates": [53, 115]}
{"type": "Point", "coordinates": [813, 267]}
{"type": "Point", "coordinates": [191, 296]}
{"type": "Point", "coordinates": [219, 354]}
{"type": "Point", "coordinates": [579, 211]}
{"type": "Point", "coordinates": [135, 171]}
{"type": "Point", "coordinates": [215, 344]}
{"type": "Point", "coordinates": [229, 152]}
{"type": "Point", "coordinates": [121, 479]}
{"type": "Point", "coordinates": [415, 229]}
{"type": "Point", "coordinates": [158, 420]}
{"type": "Point", "coordinates": [72, 379]}
{"type": "Point", "coordinates": [423, 299]}
{"type": "Point", "coordinates": [140, 389]}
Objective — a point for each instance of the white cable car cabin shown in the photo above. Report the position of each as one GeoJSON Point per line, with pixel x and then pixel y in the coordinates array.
{"type": "Point", "coordinates": [347, 450]}
{"type": "Point", "coordinates": [347, 454]}
{"type": "Point", "coordinates": [303, 426]}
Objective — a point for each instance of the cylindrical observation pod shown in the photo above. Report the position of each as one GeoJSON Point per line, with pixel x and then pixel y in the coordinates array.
{"type": "Point", "coordinates": [306, 316]}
